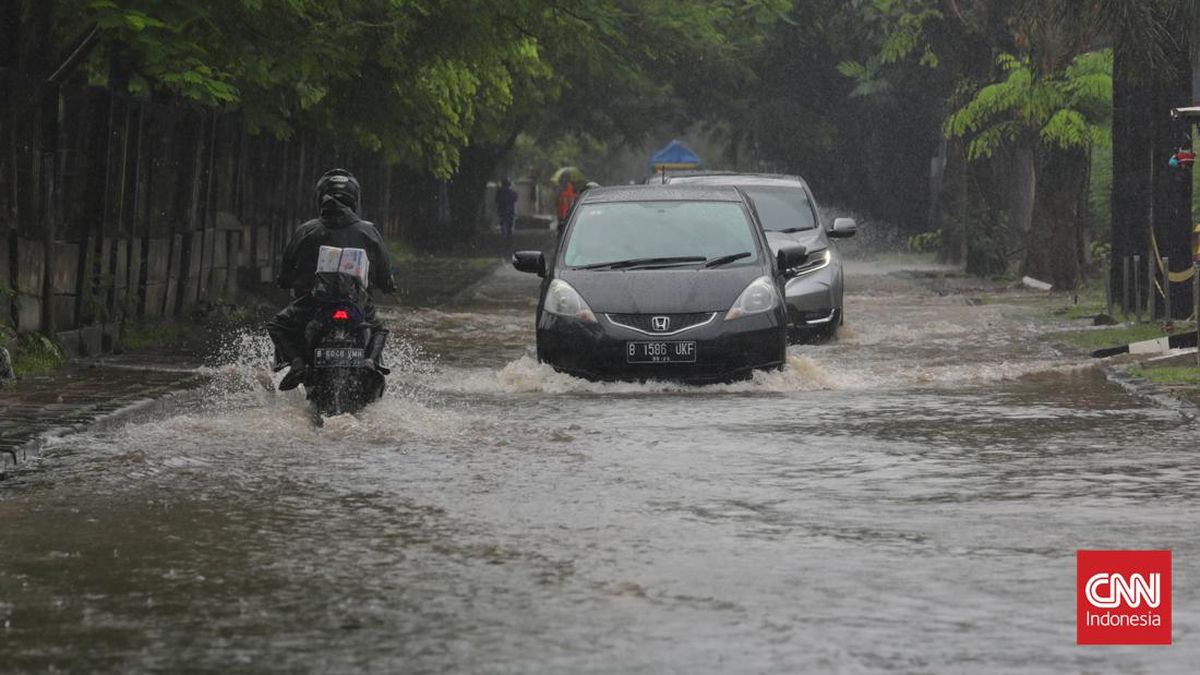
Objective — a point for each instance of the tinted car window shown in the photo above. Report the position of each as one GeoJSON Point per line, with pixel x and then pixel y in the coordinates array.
{"type": "Point", "coordinates": [782, 208]}
{"type": "Point", "coordinates": [610, 232]}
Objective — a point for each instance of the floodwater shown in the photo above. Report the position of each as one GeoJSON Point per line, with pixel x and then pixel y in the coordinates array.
{"type": "Point", "coordinates": [908, 498]}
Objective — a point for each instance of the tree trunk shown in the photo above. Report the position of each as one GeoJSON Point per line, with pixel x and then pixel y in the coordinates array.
{"type": "Point", "coordinates": [1053, 237]}
{"type": "Point", "coordinates": [1172, 200]}
{"type": "Point", "coordinates": [1017, 181]}
{"type": "Point", "coordinates": [1132, 141]}
{"type": "Point", "coordinates": [955, 201]}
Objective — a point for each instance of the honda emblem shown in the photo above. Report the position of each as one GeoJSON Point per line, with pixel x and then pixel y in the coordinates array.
{"type": "Point", "coordinates": [660, 323]}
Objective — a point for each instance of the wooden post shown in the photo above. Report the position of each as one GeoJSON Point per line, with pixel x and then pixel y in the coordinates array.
{"type": "Point", "coordinates": [1166, 284]}
{"type": "Point", "coordinates": [1196, 301]}
{"type": "Point", "coordinates": [1196, 285]}
{"type": "Point", "coordinates": [1151, 296]}
{"type": "Point", "coordinates": [1137, 288]}
{"type": "Point", "coordinates": [1108, 301]}
{"type": "Point", "coordinates": [1125, 307]}
{"type": "Point", "coordinates": [50, 226]}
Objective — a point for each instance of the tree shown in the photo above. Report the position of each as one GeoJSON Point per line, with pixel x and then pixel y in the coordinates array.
{"type": "Point", "coordinates": [1151, 74]}
{"type": "Point", "coordinates": [612, 71]}
{"type": "Point", "coordinates": [1062, 114]}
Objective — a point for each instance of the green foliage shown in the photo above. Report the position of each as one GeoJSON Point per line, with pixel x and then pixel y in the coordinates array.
{"type": "Point", "coordinates": [36, 354]}
{"type": "Point", "coordinates": [1071, 109]}
{"type": "Point", "coordinates": [925, 242]}
{"type": "Point", "coordinates": [419, 80]}
{"type": "Point", "coordinates": [1169, 374]}
{"type": "Point", "coordinates": [987, 253]}
{"type": "Point", "coordinates": [899, 30]}
{"type": "Point", "coordinates": [1111, 337]}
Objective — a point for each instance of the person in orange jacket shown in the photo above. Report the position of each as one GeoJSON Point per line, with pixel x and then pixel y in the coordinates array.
{"type": "Point", "coordinates": [566, 199]}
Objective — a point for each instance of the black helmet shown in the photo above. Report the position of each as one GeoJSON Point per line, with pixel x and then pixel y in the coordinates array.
{"type": "Point", "coordinates": [341, 185]}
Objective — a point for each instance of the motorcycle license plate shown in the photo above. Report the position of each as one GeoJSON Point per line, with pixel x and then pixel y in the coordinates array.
{"type": "Point", "coordinates": [338, 357]}
{"type": "Point", "coordinates": [660, 352]}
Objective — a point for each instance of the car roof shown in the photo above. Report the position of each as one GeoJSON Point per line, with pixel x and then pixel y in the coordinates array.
{"type": "Point", "coordinates": [735, 178]}
{"type": "Point", "coordinates": [668, 192]}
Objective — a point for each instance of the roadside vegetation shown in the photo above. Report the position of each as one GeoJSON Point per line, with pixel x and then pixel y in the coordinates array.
{"type": "Point", "coordinates": [1187, 375]}
{"type": "Point", "coordinates": [1177, 376]}
{"type": "Point", "coordinates": [1111, 336]}
{"type": "Point", "coordinates": [36, 354]}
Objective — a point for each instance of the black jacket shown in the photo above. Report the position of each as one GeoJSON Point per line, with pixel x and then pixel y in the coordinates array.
{"type": "Point", "coordinates": [344, 230]}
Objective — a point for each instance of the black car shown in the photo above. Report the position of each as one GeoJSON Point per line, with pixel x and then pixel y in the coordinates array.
{"type": "Point", "coordinates": [673, 282]}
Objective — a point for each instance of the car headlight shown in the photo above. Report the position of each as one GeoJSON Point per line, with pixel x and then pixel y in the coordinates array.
{"type": "Point", "coordinates": [815, 262]}
{"type": "Point", "coordinates": [760, 296]}
{"type": "Point", "coordinates": [563, 300]}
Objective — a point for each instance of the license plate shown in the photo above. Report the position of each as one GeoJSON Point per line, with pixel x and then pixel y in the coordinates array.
{"type": "Point", "coordinates": [339, 357]}
{"type": "Point", "coordinates": [660, 352]}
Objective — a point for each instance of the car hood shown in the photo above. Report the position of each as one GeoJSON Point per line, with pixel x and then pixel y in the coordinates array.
{"type": "Point", "coordinates": [662, 291]}
{"type": "Point", "coordinates": [813, 240]}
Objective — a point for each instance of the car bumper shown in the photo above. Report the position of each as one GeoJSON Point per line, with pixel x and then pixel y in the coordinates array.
{"type": "Point", "coordinates": [815, 299]}
{"type": "Point", "coordinates": [725, 350]}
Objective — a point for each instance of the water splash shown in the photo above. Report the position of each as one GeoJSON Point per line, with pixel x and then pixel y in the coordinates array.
{"type": "Point", "coordinates": [526, 375]}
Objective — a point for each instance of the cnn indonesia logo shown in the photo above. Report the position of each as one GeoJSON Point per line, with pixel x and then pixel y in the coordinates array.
{"type": "Point", "coordinates": [1123, 597]}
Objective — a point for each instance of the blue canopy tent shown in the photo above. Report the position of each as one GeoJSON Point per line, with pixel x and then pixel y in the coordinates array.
{"type": "Point", "coordinates": [675, 156]}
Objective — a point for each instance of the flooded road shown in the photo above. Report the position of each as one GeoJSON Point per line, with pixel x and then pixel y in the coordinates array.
{"type": "Point", "coordinates": [908, 498]}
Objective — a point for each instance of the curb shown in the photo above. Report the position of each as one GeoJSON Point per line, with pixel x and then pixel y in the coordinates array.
{"type": "Point", "coordinates": [1151, 391]}
{"type": "Point", "coordinates": [153, 401]}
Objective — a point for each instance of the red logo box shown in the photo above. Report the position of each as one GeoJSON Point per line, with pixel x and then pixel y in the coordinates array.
{"type": "Point", "coordinates": [1123, 597]}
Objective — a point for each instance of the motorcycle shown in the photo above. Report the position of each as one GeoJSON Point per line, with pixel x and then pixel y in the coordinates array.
{"type": "Point", "coordinates": [344, 348]}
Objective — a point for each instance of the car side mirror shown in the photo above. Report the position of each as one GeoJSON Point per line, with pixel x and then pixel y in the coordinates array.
{"type": "Point", "coordinates": [533, 262]}
{"type": "Point", "coordinates": [791, 256]}
{"type": "Point", "coordinates": [843, 227]}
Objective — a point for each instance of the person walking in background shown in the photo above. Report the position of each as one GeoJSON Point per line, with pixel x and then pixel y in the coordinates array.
{"type": "Point", "coordinates": [506, 207]}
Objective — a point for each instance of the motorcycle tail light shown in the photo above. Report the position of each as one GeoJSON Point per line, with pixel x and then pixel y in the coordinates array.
{"type": "Point", "coordinates": [341, 315]}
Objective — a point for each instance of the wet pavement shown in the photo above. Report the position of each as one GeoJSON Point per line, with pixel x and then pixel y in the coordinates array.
{"type": "Point", "coordinates": [908, 498]}
{"type": "Point", "coordinates": [75, 398]}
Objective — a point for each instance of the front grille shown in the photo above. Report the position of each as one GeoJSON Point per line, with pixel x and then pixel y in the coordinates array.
{"type": "Point", "coordinates": [676, 323]}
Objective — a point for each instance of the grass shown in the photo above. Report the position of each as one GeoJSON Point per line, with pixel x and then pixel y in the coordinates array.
{"type": "Point", "coordinates": [1184, 375]}
{"type": "Point", "coordinates": [1083, 303]}
{"type": "Point", "coordinates": [36, 354]}
{"type": "Point", "coordinates": [1110, 337]}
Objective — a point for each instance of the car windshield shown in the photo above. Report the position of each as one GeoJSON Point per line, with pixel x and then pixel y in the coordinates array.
{"type": "Point", "coordinates": [782, 208]}
{"type": "Point", "coordinates": [689, 232]}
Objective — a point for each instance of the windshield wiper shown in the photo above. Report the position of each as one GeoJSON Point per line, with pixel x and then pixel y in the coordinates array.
{"type": "Point", "coordinates": [714, 262]}
{"type": "Point", "coordinates": [638, 262]}
{"type": "Point", "coordinates": [790, 230]}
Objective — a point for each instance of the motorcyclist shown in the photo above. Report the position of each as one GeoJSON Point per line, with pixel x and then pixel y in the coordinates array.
{"type": "Point", "coordinates": [338, 200]}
